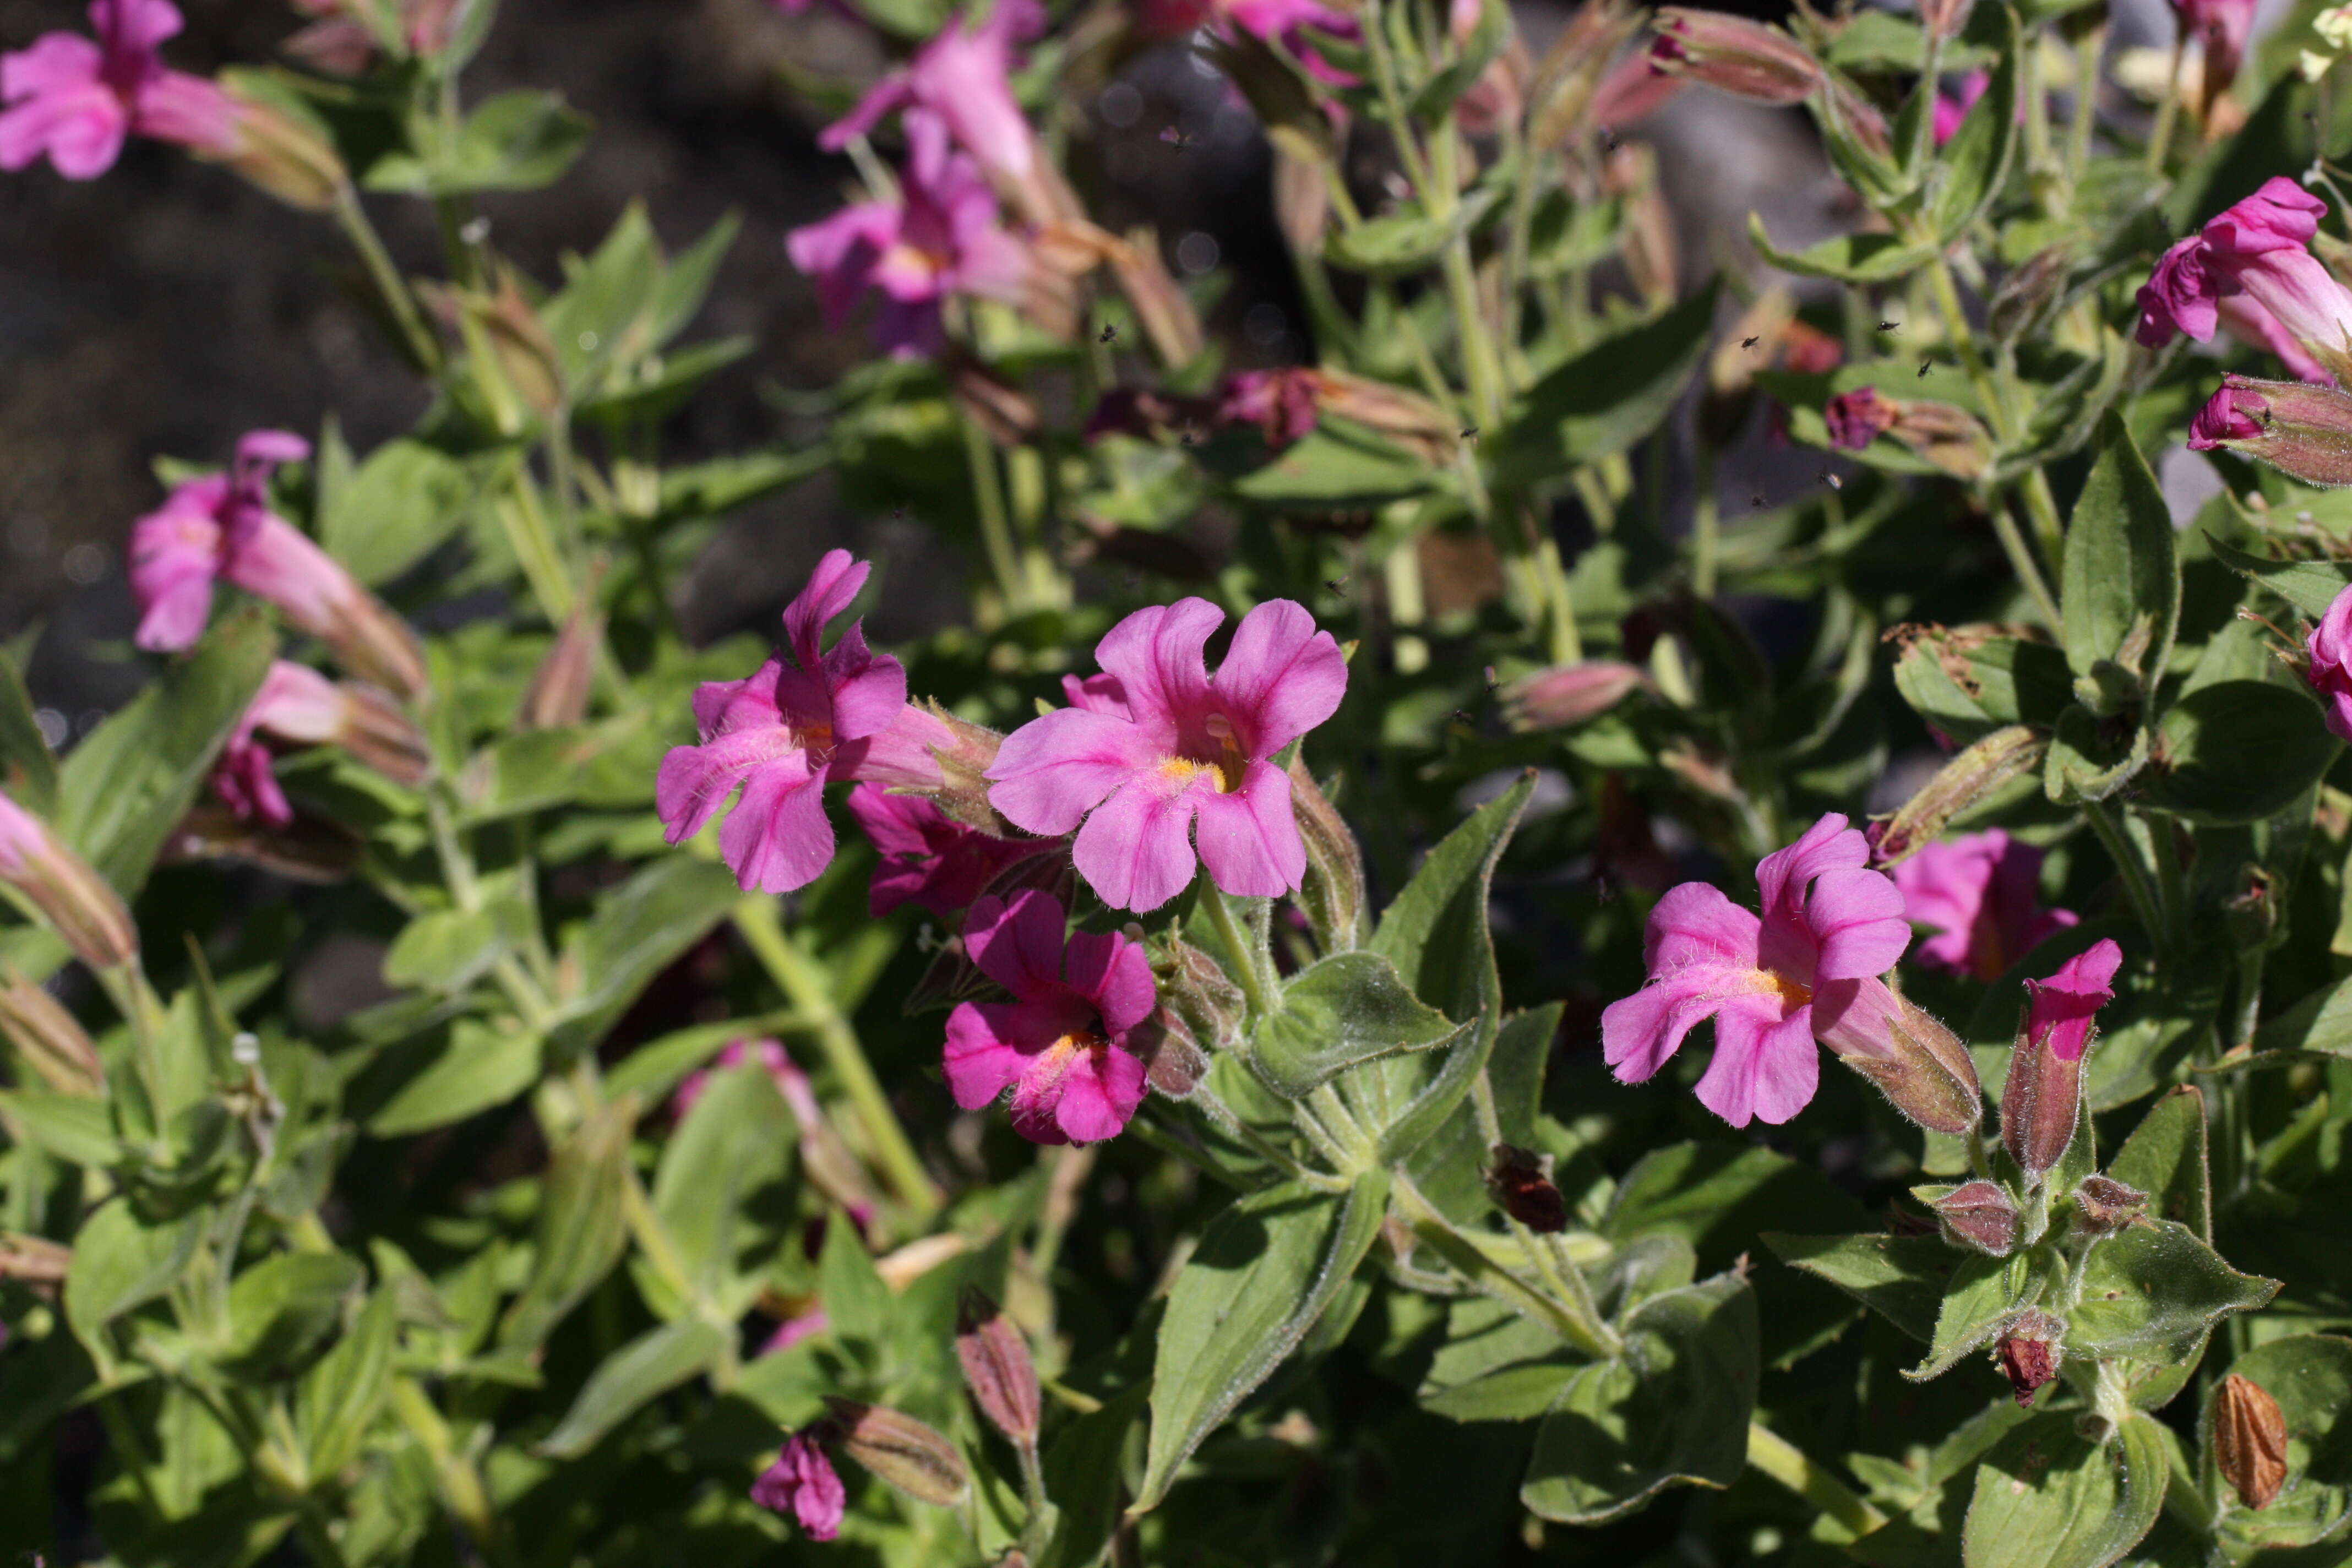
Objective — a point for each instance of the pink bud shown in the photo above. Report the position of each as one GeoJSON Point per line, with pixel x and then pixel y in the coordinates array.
{"type": "Point", "coordinates": [1979, 1214]}
{"type": "Point", "coordinates": [997, 1368]}
{"type": "Point", "coordinates": [65, 889]}
{"type": "Point", "coordinates": [1734, 55]}
{"type": "Point", "coordinates": [2301, 430]}
{"type": "Point", "coordinates": [1570, 694]}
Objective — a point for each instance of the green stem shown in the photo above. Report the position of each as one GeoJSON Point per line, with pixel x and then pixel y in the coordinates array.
{"type": "Point", "coordinates": [2171, 886]}
{"type": "Point", "coordinates": [2160, 136]}
{"type": "Point", "coordinates": [2043, 508]}
{"type": "Point", "coordinates": [803, 986]}
{"type": "Point", "coordinates": [2087, 51]}
{"type": "Point", "coordinates": [1787, 1464]}
{"type": "Point", "coordinates": [1707, 531]}
{"type": "Point", "coordinates": [995, 527]}
{"type": "Point", "coordinates": [423, 349]}
{"type": "Point", "coordinates": [2138, 887]}
{"type": "Point", "coordinates": [1248, 963]}
{"type": "Point", "coordinates": [2021, 560]}
{"type": "Point", "coordinates": [1589, 1334]}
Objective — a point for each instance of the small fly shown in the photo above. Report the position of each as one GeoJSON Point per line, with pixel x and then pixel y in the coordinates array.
{"type": "Point", "coordinates": [1757, 500]}
{"type": "Point", "coordinates": [1109, 333]}
{"type": "Point", "coordinates": [1923, 368]}
{"type": "Point", "coordinates": [1337, 585]}
{"type": "Point", "coordinates": [1888, 326]}
{"type": "Point", "coordinates": [1751, 342]}
{"type": "Point", "coordinates": [1609, 139]}
{"type": "Point", "coordinates": [1831, 481]}
{"type": "Point", "coordinates": [1469, 432]}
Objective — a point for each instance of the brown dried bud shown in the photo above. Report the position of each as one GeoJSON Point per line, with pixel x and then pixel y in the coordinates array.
{"type": "Point", "coordinates": [1523, 1189]}
{"type": "Point", "coordinates": [1406, 417]}
{"type": "Point", "coordinates": [1951, 438]}
{"type": "Point", "coordinates": [2108, 1204]}
{"type": "Point", "coordinates": [1920, 1066]}
{"type": "Point", "coordinates": [909, 1457]}
{"type": "Point", "coordinates": [1198, 991]}
{"type": "Point", "coordinates": [48, 1041]}
{"type": "Point", "coordinates": [2030, 1354]}
{"type": "Point", "coordinates": [1333, 892]}
{"type": "Point", "coordinates": [997, 1368]}
{"type": "Point", "coordinates": [311, 849]}
{"type": "Point", "coordinates": [1979, 1214]}
{"type": "Point", "coordinates": [1174, 1062]}
{"type": "Point", "coordinates": [2040, 1103]}
{"type": "Point", "coordinates": [2248, 1441]}
{"type": "Point", "coordinates": [2008, 753]}
{"type": "Point", "coordinates": [557, 698]}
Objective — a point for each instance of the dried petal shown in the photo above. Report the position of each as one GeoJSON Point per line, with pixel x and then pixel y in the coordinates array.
{"type": "Point", "coordinates": [2248, 1441]}
{"type": "Point", "coordinates": [1523, 1189]}
{"type": "Point", "coordinates": [2030, 1354]}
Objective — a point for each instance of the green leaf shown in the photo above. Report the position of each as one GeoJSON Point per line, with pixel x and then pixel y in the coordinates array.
{"type": "Point", "coordinates": [1407, 241]}
{"type": "Point", "coordinates": [1968, 684]}
{"type": "Point", "coordinates": [448, 950]}
{"type": "Point", "coordinates": [2164, 1158]}
{"type": "Point", "coordinates": [582, 1225]}
{"type": "Point", "coordinates": [76, 1129]}
{"type": "Point", "coordinates": [120, 1263]}
{"type": "Point", "coordinates": [283, 1308]}
{"type": "Point", "coordinates": [1338, 464]}
{"type": "Point", "coordinates": [1605, 399]}
{"type": "Point", "coordinates": [1983, 1297]}
{"type": "Point", "coordinates": [2122, 580]}
{"type": "Point", "coordinates": [2204, 740]}
{"type": "Point", "coordinates": [127, 785]}
{"type": "Point", "coordinates": [2309, 586]}
{"type": "Point", "coordinates": [1673, 1410]}
{"type": "Point", "coordinates": [478, 1064]}
{"type": "Point", "coordinates": [28, 772]}
{"type": "Point", "coordinates": [1516, 1069]}
{"type": "Point", "coordinates": [631, 1377]}
{"type": "Point", "coordinates": [396, 509]}
{"type": "Point", "coordinates": [737, 1139]}
{"type": "Point", "coordinates": [1347, 1009]}
{"type": "Point", "coordinates": [1849, 257]}
{"type": "Point", "coordinates": [520, 141]}
{"type": "Point", "coordinates": [1968, 170]}
{"type": "Point", "coordinates": [1901, 1277]}
{"type": "Point", "coordinates": [857, 1304]}
{"type": "Point", "coordinates": [2047, 1497]}
{"type": "Point", "coordinates": [1085, 1472]}
{"type": "Point", "coordinates": [2310, 1375]}
{"type": "Point", "coordinates": [2086, 762]}
{"type": "Point", "coordinates": [639, 929]}
{"type": "Point", "coordinates": [341, 1396]}
{"type": "Point", "coordinates": [2152, 1291]}
{"type": "Point", "coordinates": [1266, 1269]}
{"type": "Point", "coordinates": [1487, 39]}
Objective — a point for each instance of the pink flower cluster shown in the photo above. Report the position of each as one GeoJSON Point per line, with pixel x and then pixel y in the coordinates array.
{"type": "Point", "coordinates": [75, 101]}
{"type": "Point", "coordinates": [2250, 271]}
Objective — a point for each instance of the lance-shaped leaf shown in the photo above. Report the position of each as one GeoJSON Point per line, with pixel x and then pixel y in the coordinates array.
{"type": "Point", "coordinates": [631, 1377]}
{"type": "Point", "coordinates": [2309, 586]}
{"type": "Point", "coordinates": [2122, 582]}
{"type": "Point", "coordinates": [2048, 1496]}
{"type": "Point", "coordinates": [28, 772]}
{"type": "Point", "coordinates": [2165, 1157]}
{"type": "Point", "coordinates": [1901, 1277]}
{"type": "Point", "coordinates": [582, 1227]}
{"type": "Point", "coordinates": [2201, 772]}
{"type": "Point", "coordinates": [1983, 1298]}
{"type": "Point", "coordinates": [2153, 1291]}
{"type": "Point", "coordinates": [341, 1396]}
{"type": "Point", "coordinates": [1968, 170]}
{"type": "Point", "coordinates": [1350, 1008]}
{"type": "Point", "coordinates": [1606, 398]}
{"type": "Point", "coordinates": [120, 1263]}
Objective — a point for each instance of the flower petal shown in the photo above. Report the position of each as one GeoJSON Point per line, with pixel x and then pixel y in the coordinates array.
{"type": "Point", "coordinates": [1640, 1032]}
{"type": "Point", "coordinates": [1249, 838]}
{"type": "Point", "coordinates": [1054, 769]}
{"type": "Point", "coordinates": [695, 781]}
{"type": "Point", "coordinates": [982, 1061]}
{"type": "Point", "coordinates": [1018, 944]}
{"type": "Point", "coordinates": [1857, 917]}
{"type": "Point", "coordinates": [778, 838]}
{"type": "Point", "coordinates": [1136, 848]}
{"type": "Point", "coordinates": [1767, 1072]}
{"type": "Point", "coordinates": [1827, 845]}
{"type": "Point", "coordinates": [1280, 679]}
{"type": "Point", "coordinates": [1111, 972]}
{"type": "Point", "coordinates": [1158, 655]}
{"type": "Point", "coordinates": [1099, 1094]}
{"type": "Point", "coordinates": [1695, 923]}
{"type": "Point", "coordinates": [831, 588]}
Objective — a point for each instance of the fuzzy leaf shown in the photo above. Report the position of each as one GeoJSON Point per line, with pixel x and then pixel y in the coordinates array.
{"type": "Point", "coordinates": [1350, 1008]}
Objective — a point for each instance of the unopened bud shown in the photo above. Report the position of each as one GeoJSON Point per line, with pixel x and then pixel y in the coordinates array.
{"type": "Point", "coordinates": [997, 1368]}
{"type": "Point", "coordinates": [2106, 1204]}
{"type": "Point", "coordinates": [1163, 310]}
{"type": "Point", "coordinates": [2248, 1441]}
{"type": "Point", "coordinates": [64, 889]}
{"type": "Point", "coordinates": [1734, 55]}
{"type": "Point", "coordinates": [2008, 753]}
{"type": "Point", "coordinates": [1920, 1066]}
{"type": "Point", "coordinates": [35, 1260]}
{"type": "Point", "coordinates": [1524, 1190]}
{"type": "Point", "coordinates": [2030, 1354]}
{"type": "Point", "coordinates": [1570, 694]}
{"type": "Point", "coordinates": [1979, 1214]}
{"type": "Point", "coordinates": [48, 1041]}
{"type": "Point", "coordinates": [2303, 431]}
{"type": "Point", "coordinates": [964, 758]}
{"type": "Point", "coordinates": [557, 698]}
{"type": "Point", "coordinates": [1174, 1062]}
{"type": "Point", "coordinates": [1333, 892]}
{"type": "Point", "coordinates": [1405, 417]}
{"type": "Point", "coordinates": [2025, 293]}
{"type": "Point", "coordinates": [1564, 82]}
{"type": "Point", "coordinates": [2253, 912]}
{"type": "Point", "coordinates": [1002, 411]}
{"type": "Point", "coordinates": [284, 153]}
{"type": "Point", "coordinates": [2042, 1099]}
{"type": "Point", "coordinates": [907, 1455]}
{"type": "Point", "coordinates": [1203, 995]}
{"type": "Point", "coordinates": [1302, 194]}
{"type": "Point", "coordinates": [1951, 438]}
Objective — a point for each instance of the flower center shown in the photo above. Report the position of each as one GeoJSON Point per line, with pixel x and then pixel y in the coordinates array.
{"type": "Point", "coordinates": [1228, 762]}
{"type": "Point", "coordinates": [1054, 1063]}
{"type": "Point", "coordinates": [816, 739]}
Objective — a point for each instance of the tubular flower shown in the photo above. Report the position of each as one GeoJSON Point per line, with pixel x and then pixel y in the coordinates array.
{"type": "Point", "coordinates": [928, 858]}
{"type": "Point", "coordinates": [2252, 270]}
{"type": "Point", "coordinates": [940, 238]}
{"type": "Point", "coordinates": [76, 101]}
{"type": "Point", "coordinates": [1981, 892]}
{"type": "Point", "coordinates": [1806, 970]}
{"type": "Point", "coordinates": [2330, 670]}
{"type": "Point", "coordinates": [220, 526]}
{"type": "Point", "coordinates": [781, 733]}
{"type": "Point", "coordinates": [2302, 430]}
{"type": "Point", "coordinates": [1163, 742]}
{"type": "Point", "coordinates": [1858, 418]}
{"type": "Point", "coordinates": [1061, 1044]}
{"type": "Point", "coordinates": [1734, 55]}
{"type": "Point", "coordinates": [298, 705]}
{"type": "Point", "coordinates": [2062, 1005]}
{"type": "Point", "coordinates": [804, 1483]}
{"type": "Point", "coordinates": [2223, 28]}
{"type": "Point", "coordinates": [963, 78]}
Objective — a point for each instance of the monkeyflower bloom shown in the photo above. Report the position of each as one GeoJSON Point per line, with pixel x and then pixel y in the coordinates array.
{"type": "Point", "coordinates": [65, 889]}
{"type": "Point", "coordinates": [2251, 269]}
{"type": "Point", "coordinates": [928, 857]}
{"type": "Point", "coordinates": [804, 1483]}
{"type": "Point", "coordinates": [1858, 418]}
{"type": "Point", "coordinates": [2222, 26]}
{"type": "Point", "coordinates": [2062, 1005]}
{"type": "Point", "coordinates": [1140, 757]}
{"type": "Point", "coordinates": [1981, 894]}
{"type": "Point", "coordinates": [220, 526]}
{"type": "Point", "coordinates": [2299, 429]}
{"type": "Point", "coordinates": [1807, 970]}
{"type": "Point", "coordinates": [940, 238]}
{"type": "Point", "coordinates": [2042, 1102]}
{"type": "Point", "coordinates": [1060, 1045]}
{"type": "Point", "coordinates": [782, 732]}
{"type": "Point", "coordinates": [76, 101]}
{"type": "Point", "coordinates": [297, 705]}
{"type": "Point", "coordinates": [963, 78]}
{"type": "Point", "coordinates": [2330, 670]}
{"type": "Point", "coordinates": [1282, 404]}
{"type": "Point", "coordinates": [1285, 22]}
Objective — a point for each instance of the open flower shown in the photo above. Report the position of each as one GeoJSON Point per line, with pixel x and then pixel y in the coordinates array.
{"type": "Point", "coordinates": [2297, 428]}
{"type": "Point", "coordinates": [1271, 21]}
{"type": "Point", "coordinates": [1981, 894]}
{"type": "Point", "coordinates": [2251, 269]}
{"type": "Point", "coordinates": [1806, 971]}
{"type": "Point", "coordinates": [76, 101]}
{"type": "Point", "coordinates": [220, 526]}
{"type": "Point", "coordinates": [1061, 1044]}
{"type": "Point", "coordinates": [782, 732]}
{"type": "Point", "coordinates": [297, 705]}
{"type": "Point", "coordinates": [804, 1483]}
{"type": "Point", "coordinates": [928, 858]}
{"type": "Point", "coordinates": [1858, 418]}
{"type": "Point", "coordinates": [939, 239]}
{"type": "Point", "coordinates": [2330, 670]}
{"type": "Point", "coordinates": [1168, 743]}
{"type": "Point", "coordinates": [2060, 1017]}
{"type": "Point", "coordinates": [962, 78]}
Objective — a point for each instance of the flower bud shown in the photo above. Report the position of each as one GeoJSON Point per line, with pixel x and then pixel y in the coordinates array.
{"type": "Point", "coordinates": [1944, 18]}
{"type": "Point", "coordinates": [48, 1041]}
{"type": "Point", "coordinates": [1199, 992]}
{"type": "Point", "coordinates": [997, 1368]}
{"type": "Point", "coordinates": [2043, 1099]}
{"type": "Point", "coordinates": [804, 1483]}
{"type": "Point", "coordinates": [2106, 1204]}
{"type": "Point", "coordinates": [1979, 1214]}
{"type": "Point", "coordinates": [1920, 1066]}
{"type": "Point", "coordinates": [909, 1457]}
{"type": "Point", "coordinates": [557, 698]}
{"type": "Point", "coordinates": [964, 758]}
{"type": "Point", "coordinates": [2252, 913]}
{"type": "Point", "coordinates": [1302, 194]}
{"type": "Point", "coordinates": [1405, 417]}
{"type": "Point", "coordinates": [2248, 1441]}
{"type": "Point", "coordinates": [2302, 431]}
{"type": "Point", "coordinates": [1565, 83]}
{"type": "Point", "coordinates": [1333, 892]}
{"type": "Point", "coordinates": [1858, 418]}
{"type": "Point", "coordinates": [1734, 55]}
{"type": "Point", "coordinates": [2030, 1352]}
{"type": "Point", "coordinates": [1174, 1062]}
{"type": "Point", "coordinates": [1570, 694]}
{"type": "Point", "coordinates": [1523, 1190]}
{"type": "Point", "coordinates": [2008, 753]}
{"type": "Point", "coordinates": [1630, 171]}
{"type": "Point", "coordinates": [66, 889]}
{"type": "Point", "coordinates": [287, 154]}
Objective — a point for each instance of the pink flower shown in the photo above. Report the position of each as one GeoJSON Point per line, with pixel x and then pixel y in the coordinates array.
{"type": "Point", "coordinates": [1280, 402]}
{"type": "Point", "coordinates": [792, 1331]}
{"type": "Point", "coordinates": [1858, 417]}
{"type": "Point", "coordinates": [1271, 21]}
{"type": "Point", "coordinates": [2223, 26]}
{"type": "Point", "coordinates": [928, 859]}
{"type": "Point", "coordinates": [804, 1483]}
{"type": "Point", "coordinates": [2063, 1004]}
{"type": "Point", "coordinates": [782, 732]}
{"type": "Point", "coordinates": [1952, 109]}
{"type": "Point", "coordinates": [2232, 414]}
{"type": "Point", "coordinates": [1807, 970]}
{"type": "Point", "coordinates": [1170, 743]}
{"type": "Point", "coordinates": [22, 839]}
{"type": "Point", "coordinates": [66, 889]}
{"type": "Point", "coordinates": [2330, 670]}
{"type": "Point", "coordinates": [76, 101]}
{"type": "Point", "coordinates": [963, 78]}
{"type": "Point", "coordinates": [942, 237]}
{"type": "Point", "coordinates": [1980, 893]}
{"type": "Point", "coordinates": [770, 1054]}
{"type": "Point", "coordinates": [2252, 270]}
{"type": "Point", "coordinates": [297, 705]}
{"type": "Point", "coordinates": [1060, 1045]}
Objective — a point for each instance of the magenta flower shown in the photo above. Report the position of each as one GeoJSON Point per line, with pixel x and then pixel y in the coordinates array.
{"type": "Point", "coordinates": [2063, 1005]}
{"type": "Point", "coordinates": [2223, 28]}
{"type": "Point", "coordinates": [770, 1055]}
{"type": "Point", "coordinates": [782, 732]}
{"type": "Point", "coordinates": [77, 101]}
{"type": "Point", "coordinates": [2232, 414]}
{"type": "Point", "coordinates": [1981, 894]}
{"type": "Point", "coordinates": [1172, 743]}
{"type": "Point", "coordinates": [1271, 21]}
{"type": "Point", "coordinates": [928, 857]}
{"type": "Point", "coordinates": [1951, 109]}
{"type": "Point", "coordinates": [1061, 1044]}
{"type": "Point", "coordinates": [2330, 670]}
{"type": "Point", "coordinates": [1280, 402]}
{"type": "Point", "coordinates": [942, 237]}
{"type": "Point", "coordinates": [1807, 970]}
{"type": "Point", "coordinates": [804, 1483]}
{"type": "Point", "coordinates": [792, 1331]}
{"type": "Point", "coordinates": [963, 78]}
{"type": "Point", "coordinates": [1858, 418]}
{"type": "Point", "coordinates": [2252, 270]}
{"type": "Point", "coordinates": [65, 889]}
